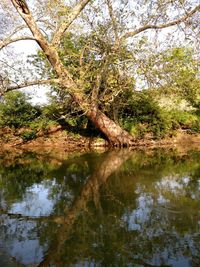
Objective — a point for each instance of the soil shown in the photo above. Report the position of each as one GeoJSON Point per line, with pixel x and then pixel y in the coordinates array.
{"type": "Point", "coordinates": [58, 140]}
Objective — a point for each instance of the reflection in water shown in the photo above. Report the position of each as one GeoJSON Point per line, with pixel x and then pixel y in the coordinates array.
{"type": "Point", "coordinates": [118, 208]}
{"type": "Point", "coordinates": [35, 201]}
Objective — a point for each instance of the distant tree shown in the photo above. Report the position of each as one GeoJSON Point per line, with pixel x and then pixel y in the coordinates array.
{"type": "Point", "coordinates": [174, 71]}
{"type": "Point", "coordinates": [16, 111]}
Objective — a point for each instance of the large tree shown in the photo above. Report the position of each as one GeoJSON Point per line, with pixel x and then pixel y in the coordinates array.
{"type": "Point", "coordinates": [114, 24]}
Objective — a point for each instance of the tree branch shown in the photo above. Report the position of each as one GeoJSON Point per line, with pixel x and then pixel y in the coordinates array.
{"type": "Point", "coordinates": [26, 15]}
{"type": "Point", "coordinates": [161, 26]}
{"type": "Point", "coordinates": [9, 41]}
{"type": "Point", "coordinates": [71, 17]}
{"type": "Point", "coordinates": [17, 30]}
{"type": "Point", "coordinates": [28, 84]}
{"type": "Point", "coordinates": [50, 51]}
{"type": "Point", "coordinates": [99, 78]}
{"type": "Point", "coordinates": [19, 216]}
{"type": "Point", "coordinates": [113, 20]}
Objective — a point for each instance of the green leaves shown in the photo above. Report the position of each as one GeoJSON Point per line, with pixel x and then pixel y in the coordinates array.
{"type": "Point", "coordinates": [16, 111]}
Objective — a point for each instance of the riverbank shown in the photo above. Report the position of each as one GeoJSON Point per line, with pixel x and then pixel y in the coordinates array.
{"type": "Point", "coordinates": [57, 139]}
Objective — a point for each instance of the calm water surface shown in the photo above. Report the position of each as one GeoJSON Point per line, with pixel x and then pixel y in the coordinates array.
{"type": "Point", "coordinates": [118, 208]}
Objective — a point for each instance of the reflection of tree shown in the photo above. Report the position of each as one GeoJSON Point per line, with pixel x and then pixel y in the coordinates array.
{"type": "Point", "coordinates": [91, 190]}
{"type": "Point", "coordinates": [144, 214]}
{"type": "Point", "coordinates": [99, 229]}
{"type": "Point", "coordinates": [16, 176]}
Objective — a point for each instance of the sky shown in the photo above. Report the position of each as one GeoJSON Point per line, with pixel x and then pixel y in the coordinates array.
{"type": "Point", "coordinates": [37, 93]}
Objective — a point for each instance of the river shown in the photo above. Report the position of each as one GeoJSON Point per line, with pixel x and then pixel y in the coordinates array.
{"type": "Point", "coordinates": [117, 208]}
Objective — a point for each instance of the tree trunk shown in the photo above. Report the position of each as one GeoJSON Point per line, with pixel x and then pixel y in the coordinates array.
{"type": "Point", "coordinates": [114, 133]}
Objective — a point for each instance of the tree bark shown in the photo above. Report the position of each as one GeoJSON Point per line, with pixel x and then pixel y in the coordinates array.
{"type": "Point", "coordinates": [114, 133]}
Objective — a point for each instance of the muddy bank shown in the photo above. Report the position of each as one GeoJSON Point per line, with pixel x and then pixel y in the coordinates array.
{"type": "Point", "coordinates": [58, 140]}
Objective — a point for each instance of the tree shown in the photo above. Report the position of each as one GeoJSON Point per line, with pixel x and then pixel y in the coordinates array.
{"type": "Point", "coordinates": [179, 74]}
{"type": "Point", "coordinates": [16, 111]}
{"type": "Point", "coordinates": [114, 23]}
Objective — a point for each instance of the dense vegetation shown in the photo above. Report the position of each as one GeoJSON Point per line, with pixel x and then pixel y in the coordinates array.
{"type": "Point", "coordinates": [139, 112]}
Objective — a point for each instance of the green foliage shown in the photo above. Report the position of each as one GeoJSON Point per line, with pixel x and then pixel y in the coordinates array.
{"type": "Point", "coordinates": [42, 123]}
{"type": "Point", "coordinates": [86, 56]}
{"type": "Point", "coordinates": [16, 111]}
{"type": "Point", "coordinates": [195, 127]}
{"type": "Point", "coordinates": [93, 64]}
{"type": "Point", "coordinates": [65, 112]}
{"type": "Point", "coordinates": [143, 115]}
{"type": "Point", "coordinates": [183, 119]}
{"type": "Point", "coordinates": [179, 75]}
{"type": "Point", "coordinates": [28, 135]}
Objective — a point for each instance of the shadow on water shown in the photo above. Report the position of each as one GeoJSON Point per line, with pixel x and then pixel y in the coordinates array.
{"type": "Point", "coordinates": [118, 208]}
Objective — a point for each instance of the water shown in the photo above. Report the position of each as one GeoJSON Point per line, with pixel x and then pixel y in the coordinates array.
{"type": "Point", "coordinates": [117, 208]}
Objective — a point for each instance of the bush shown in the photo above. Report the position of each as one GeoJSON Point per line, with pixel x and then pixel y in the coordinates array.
{"type": "Point", "coordinates": [143, 115]}
{"type": "Point", "coordinates": [195, 128]}
{"type": "Point", "coordinates": [16, 111]}
{"type": "Point", "coordinates": [183, 119]}
{"type": "Point", "coordinates": [42, 124]}
{"type": "Point", "coordinates": [28, 135]}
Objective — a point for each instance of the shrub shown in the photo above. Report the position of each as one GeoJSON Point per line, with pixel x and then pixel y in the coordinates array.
{"type": "Point", "coordinates": [42, 124]}
{"type": "Point", "coordinates": [28, 135]}
{"type": "Point", "coordinates": [195, 128]}
{"type": "Point", "coordinates": [143, 115]}
{"type": "Point", "coordinates": [183, 119]}
{"type": "Point", "coordinates": [16, 111]}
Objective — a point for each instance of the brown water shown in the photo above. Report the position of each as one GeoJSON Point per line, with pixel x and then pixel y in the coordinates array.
{"type": "Point", "coordinates": [118, 208]}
